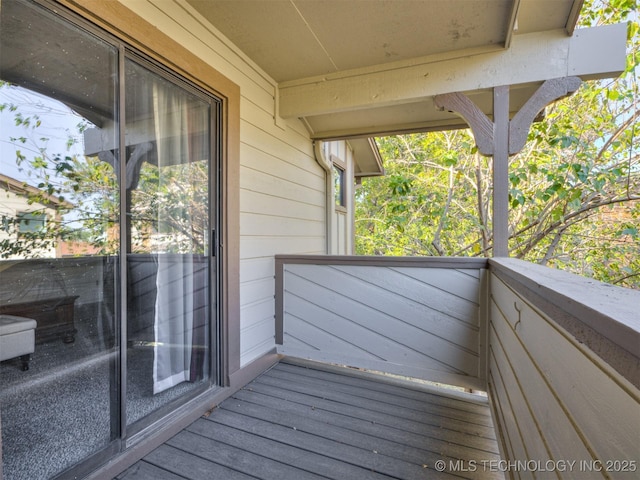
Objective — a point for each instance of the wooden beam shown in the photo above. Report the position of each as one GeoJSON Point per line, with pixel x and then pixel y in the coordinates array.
{"type": "Point", "coordinates": [533, 57]}
{"type": "Point", "coordinates": [518, 128]}
{"type": "Point", "coordinates": [385, 129]}
{"type": "Point", "coordinates": [572, 19]}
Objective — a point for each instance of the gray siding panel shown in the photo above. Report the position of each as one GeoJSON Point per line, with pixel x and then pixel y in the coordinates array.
{"type": "Point", "coordinates": [422, 322]}
{"type": "Point", "coordinates": [584, 411]}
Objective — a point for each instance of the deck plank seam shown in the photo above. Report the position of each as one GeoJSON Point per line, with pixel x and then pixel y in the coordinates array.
{"type": "Point", "coordinates": [356, 398]}
{"type": "Point", "coordinates": [391, 430]}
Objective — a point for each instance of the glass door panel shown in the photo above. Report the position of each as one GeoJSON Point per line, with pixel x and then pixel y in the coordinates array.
{"type": "Point", "coordinates": [77, 283]}
{"type": "Point", "coordinates": [167, 229]}
{"type": "Point", "coordinates": [58, 243]}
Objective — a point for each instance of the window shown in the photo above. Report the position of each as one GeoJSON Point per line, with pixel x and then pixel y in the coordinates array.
{"type": "Point", "coordinates": [31, 222]}
{"type": "Point", "coordinates": [338, 185]}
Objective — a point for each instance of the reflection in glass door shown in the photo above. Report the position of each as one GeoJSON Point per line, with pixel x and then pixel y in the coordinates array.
{"type": "Point", "coordinates": [167, 236]}
{"type": "Point", "coordinates": [106, 261]}
{"type": "Point", "coordinates": [59, 248]}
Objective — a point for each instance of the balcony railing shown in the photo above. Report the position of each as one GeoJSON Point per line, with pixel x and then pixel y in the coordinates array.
{"type": "Point", "coordinates": [421, 318]}
{"type": "Point", "coordinates": [558, 354]}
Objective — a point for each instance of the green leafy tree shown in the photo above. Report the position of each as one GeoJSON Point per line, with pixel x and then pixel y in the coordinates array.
{"type": "Point", "coordinates": [574, 189]}
{"type": "Point", "coordinates": [168, 206]}
{"type": "Point", "coordinates": [44, 176]}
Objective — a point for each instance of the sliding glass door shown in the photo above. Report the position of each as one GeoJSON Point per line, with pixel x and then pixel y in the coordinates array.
{"type": "Point", "coordinates": [59, 244]}
{"type": "Point", "coordinates": [108, 181]}
{"type": "Point", "coordinates": [168, 250]}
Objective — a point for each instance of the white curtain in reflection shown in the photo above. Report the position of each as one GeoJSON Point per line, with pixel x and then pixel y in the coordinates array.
{"type": "Point", "coordinates": [174, 308]}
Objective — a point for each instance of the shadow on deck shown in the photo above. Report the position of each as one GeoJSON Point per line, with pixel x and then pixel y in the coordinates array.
{"type": "Point", "coordinates": [308, 420]}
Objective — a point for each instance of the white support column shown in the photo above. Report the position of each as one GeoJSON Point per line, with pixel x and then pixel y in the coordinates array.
{"type": "Point", "coordinates": [501, 171]}
{"type": "Point", "coordinates": [501, 138]}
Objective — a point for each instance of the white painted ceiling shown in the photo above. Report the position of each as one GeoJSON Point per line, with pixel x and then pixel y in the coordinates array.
{"type": "Point", "coordinates": [351, 68]}
{"type": "Point", "coordinates": [294, 39]}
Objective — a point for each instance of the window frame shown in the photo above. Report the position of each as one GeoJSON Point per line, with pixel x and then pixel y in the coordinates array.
{"type": "Point", "coordinates": [21, 220]}
{"type": "Point", "coordinates": [340, 197]}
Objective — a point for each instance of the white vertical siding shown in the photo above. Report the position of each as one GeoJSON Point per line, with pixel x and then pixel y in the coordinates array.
{"type": "Point", "coordinates": [554, 399]}
{"type": "Point", "coordinates": [282, 188]}
{"type": "Point", "coordinates": [342, 231]}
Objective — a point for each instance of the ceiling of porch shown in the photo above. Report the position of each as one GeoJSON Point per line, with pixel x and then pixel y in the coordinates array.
{"type": "Point", "coordinates": [294, 39]}
{"type": "Point", "coordinates": [358, 68]}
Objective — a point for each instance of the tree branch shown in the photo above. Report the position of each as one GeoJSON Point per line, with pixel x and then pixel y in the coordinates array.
{"type": "Point", "coordinates": [571, 219]}
{"type": "Point", "coordinates": [621, 128]}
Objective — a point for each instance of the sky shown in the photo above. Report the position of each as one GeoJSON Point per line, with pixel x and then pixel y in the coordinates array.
{"type": "Point", "coordinates": [57, 123]}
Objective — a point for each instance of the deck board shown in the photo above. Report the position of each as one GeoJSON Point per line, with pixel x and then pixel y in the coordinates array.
{"type": "Point", "coordinates": [423, 396]}
{"type": "Point", "coordinates": [239, 458]}
{"type": "Point", "coordinates": [432, 417]}
{"type": "Point", "coordinates": [429, 444]}
{"type": "Point", "coordinates": [304, 460]}
{"type": "Point", "coordinates": [305, 421]}
{"type": "Point", "coordinates": [393, 400]}
{"type": "Point", "coordinates": [145, 470]}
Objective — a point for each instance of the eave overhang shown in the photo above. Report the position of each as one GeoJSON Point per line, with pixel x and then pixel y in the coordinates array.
{"type": "Point", "coordinates": [367, 158]}
{"type": "Point", "coordinates": [39, 196]}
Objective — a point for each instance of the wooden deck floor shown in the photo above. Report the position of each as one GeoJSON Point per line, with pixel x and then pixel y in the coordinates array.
{"type": "Point", "coordinates": [306, 422]}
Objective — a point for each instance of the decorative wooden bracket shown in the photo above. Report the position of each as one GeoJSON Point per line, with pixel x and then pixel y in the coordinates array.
{"type": "Point", "coordinates": [481, 125]}
{"type": "Point", "coordinates": [548, 92]}
{"type": "Point", "coordinates": [499, 138]}
{"type": "Point", "coordinates": [484, 128]}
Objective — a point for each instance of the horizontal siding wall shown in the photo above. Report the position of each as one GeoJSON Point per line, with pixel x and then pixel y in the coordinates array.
{"type": "Point", "coordinates": [554, 399]}
{"type": "Point", "coordinates": [420, 321]}
{"type": "Point", "coordinates": [282, 188]}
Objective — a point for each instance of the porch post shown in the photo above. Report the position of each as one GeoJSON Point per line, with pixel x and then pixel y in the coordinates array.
{"type": "Point", "coordinates": [502, 137]}
{"type": "Point", "coordinates": [501, 171]}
